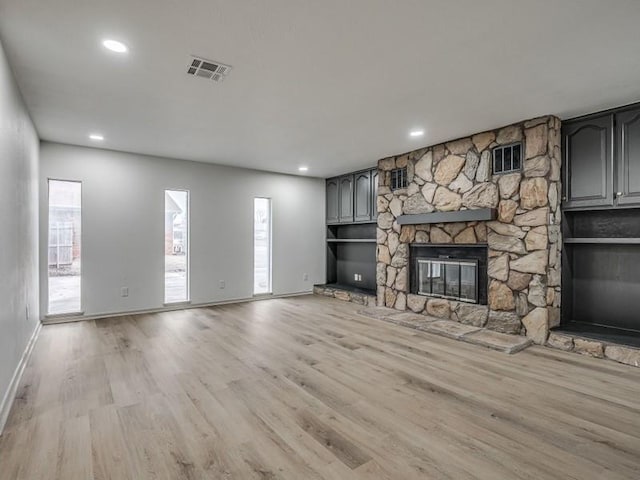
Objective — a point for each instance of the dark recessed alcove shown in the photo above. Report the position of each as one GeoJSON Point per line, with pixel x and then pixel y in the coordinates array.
{"type": "Point", "coordinates": [624, 223]}
{"type": "Point", "coordinates": [601, 273]}
{"type": "Point", "coordinates": [351, 251]}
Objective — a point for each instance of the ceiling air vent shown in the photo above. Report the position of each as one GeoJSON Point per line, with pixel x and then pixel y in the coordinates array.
{"type": "Point", "coordinates": [215, 71]}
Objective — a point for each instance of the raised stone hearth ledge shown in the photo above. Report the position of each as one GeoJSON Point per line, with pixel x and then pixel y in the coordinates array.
{"type": "Point", "coordinates": [345, 295]}
{"type": "Point", "coordinates": [594, 348]}
{"type": "Point", "coordinates": [523, 239]}
{"type": "Point", "coordinates": [458, 331]}
{"type": "Point", "coordinates": [501, 341]}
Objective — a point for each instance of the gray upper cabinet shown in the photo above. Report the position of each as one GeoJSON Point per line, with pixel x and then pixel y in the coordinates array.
{"type": "Point", "coordinates": [333, 200]}
{"type": "Point", "coordinates": [374, 194]}
{"type": "Point", "coordinates": [352, 198]}
{"type": "Point", "coordinates": [346, 199]}
{"type": "Point", "coordinates": [601, 155]}
{"type": "Point", "coordinates": [628, 152]}
{"type": "Point", "coordinates": [588, 162]}
{"type": "Point", "coordinates": [362, 197]}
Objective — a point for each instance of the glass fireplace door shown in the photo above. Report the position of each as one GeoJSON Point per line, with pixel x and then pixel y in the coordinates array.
{"type": "Point", "coordinates": [469, 282]}
{"type": "Point", "coordinates": [448, 278]}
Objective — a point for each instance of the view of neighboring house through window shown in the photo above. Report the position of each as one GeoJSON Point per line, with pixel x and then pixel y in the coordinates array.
{"type": "Point", "coordinates": [64, 254]}
{"type": "Point", "coordinates": [261, 246]}
{"type": "Point", "coordinates": [176, 246]}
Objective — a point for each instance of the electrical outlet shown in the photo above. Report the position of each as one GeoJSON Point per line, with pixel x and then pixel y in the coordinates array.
{"type": "Point", "coordinates": [305, 277]}
{"type": "Point", "coordinates": [124, 291]}
{"type": "Point", "coordinates": [222, 284]}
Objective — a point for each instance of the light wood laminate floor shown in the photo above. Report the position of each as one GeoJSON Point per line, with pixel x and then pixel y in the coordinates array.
{"type": "Point", "coordinates": [305, 388]}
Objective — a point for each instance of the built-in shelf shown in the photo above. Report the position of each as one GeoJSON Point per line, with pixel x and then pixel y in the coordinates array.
{"type": "Point", "coordinates": [351, 255]}
{"type": "Point", "coordinates": [351, 240]}
{"type": "Point", "coordinates": [604, 241]}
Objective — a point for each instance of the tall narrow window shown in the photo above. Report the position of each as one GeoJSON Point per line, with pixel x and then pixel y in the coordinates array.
{"type": "Point", "coordinates": [176, 246]}
{"type": "Point", "coordinates": [261, 246]}
{"type": "Point", "coordinates": [65, 234]}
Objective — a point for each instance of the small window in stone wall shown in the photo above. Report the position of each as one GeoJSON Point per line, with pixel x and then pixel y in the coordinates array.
{"type": "Point", "coordinates": [398, 178]}
{"type": "Point", "coordinates": [507, 158]}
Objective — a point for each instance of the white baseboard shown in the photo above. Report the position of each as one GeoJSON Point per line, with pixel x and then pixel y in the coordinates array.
{"type": "Point", "coordinates": [167, 308]}
{"type": "Point", "coordinates": [10, 394]}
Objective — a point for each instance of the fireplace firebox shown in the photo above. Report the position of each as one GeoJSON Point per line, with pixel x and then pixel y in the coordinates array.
{"type": "Point", "coordinates": [453, 279]}
{"type": "Point", "coordinates": [450, 272]}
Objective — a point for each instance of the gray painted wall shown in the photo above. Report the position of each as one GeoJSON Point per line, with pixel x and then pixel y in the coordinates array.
{"type": "Point", "coordinates": [18, 233]}
{"type": "Point", "coordinates": [122, 227]}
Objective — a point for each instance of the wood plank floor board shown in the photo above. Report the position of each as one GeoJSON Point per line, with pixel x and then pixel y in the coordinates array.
{"type": "Point", "coordinates": [74, 449]}
{"type": "Point", "coordinates": [199, 451]}
{"type": "Point", "coordinates": [263, 400]}
{"type": "Point", "coordinates": [308, 388]}
{"type": "Point", "coordinates": [470, 394]}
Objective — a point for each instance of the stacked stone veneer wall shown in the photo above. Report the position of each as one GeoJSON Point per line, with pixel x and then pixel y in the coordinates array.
{"type": "Point", "coordinates": [524, 242]}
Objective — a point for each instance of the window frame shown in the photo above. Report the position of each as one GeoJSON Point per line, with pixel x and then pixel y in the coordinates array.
{"type": "Point", "coordinates": [188, 254]}
{"type": "Point", "coordinates": [270, 249]}
{"type": "Point", "coordinates": [79, 312]}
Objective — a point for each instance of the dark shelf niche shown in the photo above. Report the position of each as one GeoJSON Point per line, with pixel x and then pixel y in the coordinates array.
{"type": "Point", "coordinates": [351, 249]}
{"type": "Point", "coordinates": [602, 224]}
{"type": "Point", "coordinates": [603, 241]}
{"type": "Point", "coordinates": [601, 258]}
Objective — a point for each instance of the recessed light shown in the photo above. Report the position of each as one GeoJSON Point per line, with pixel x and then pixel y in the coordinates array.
{"type": "Point", "coordinates": [303, 169]}
{"type": "Point", "coordinates": [418, 132]}
{"type": "Point", "coordinates": [114, 46]}
{"type": "Point", "coordinates": [96, 137]}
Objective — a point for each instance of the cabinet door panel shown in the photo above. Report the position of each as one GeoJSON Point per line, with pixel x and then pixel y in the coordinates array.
{"type": "Point", "coordinates": [628, 137]}
{"type": "Point", "coordinates": [362, 208]}
{"type": "Point", "coordinates": [374, 194]}
{"type": "Point", "coordinates": [346, 199]}
{"type": "Point", "coordinates": [333, 200]}
{"type": "Point", "coordinates": [588, 162]}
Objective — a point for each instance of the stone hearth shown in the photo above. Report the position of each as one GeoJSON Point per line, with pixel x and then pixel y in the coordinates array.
{"type": "Point", "coordinates": [523, 243]}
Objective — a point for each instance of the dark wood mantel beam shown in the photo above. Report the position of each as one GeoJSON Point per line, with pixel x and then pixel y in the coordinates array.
{"type": "Point", "coordinates": [481, 214]}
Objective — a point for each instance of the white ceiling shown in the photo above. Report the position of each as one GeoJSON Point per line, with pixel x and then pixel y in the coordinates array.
{"type": "Point", "coordinates": [332, 84]}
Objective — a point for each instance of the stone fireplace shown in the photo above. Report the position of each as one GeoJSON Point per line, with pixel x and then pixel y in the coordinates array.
{"type": "Point", "coordinates": [463, 243]}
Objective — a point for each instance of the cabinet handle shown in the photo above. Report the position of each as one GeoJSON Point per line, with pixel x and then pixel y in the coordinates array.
{"type": "Point", "coordinates": [618, 194]}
